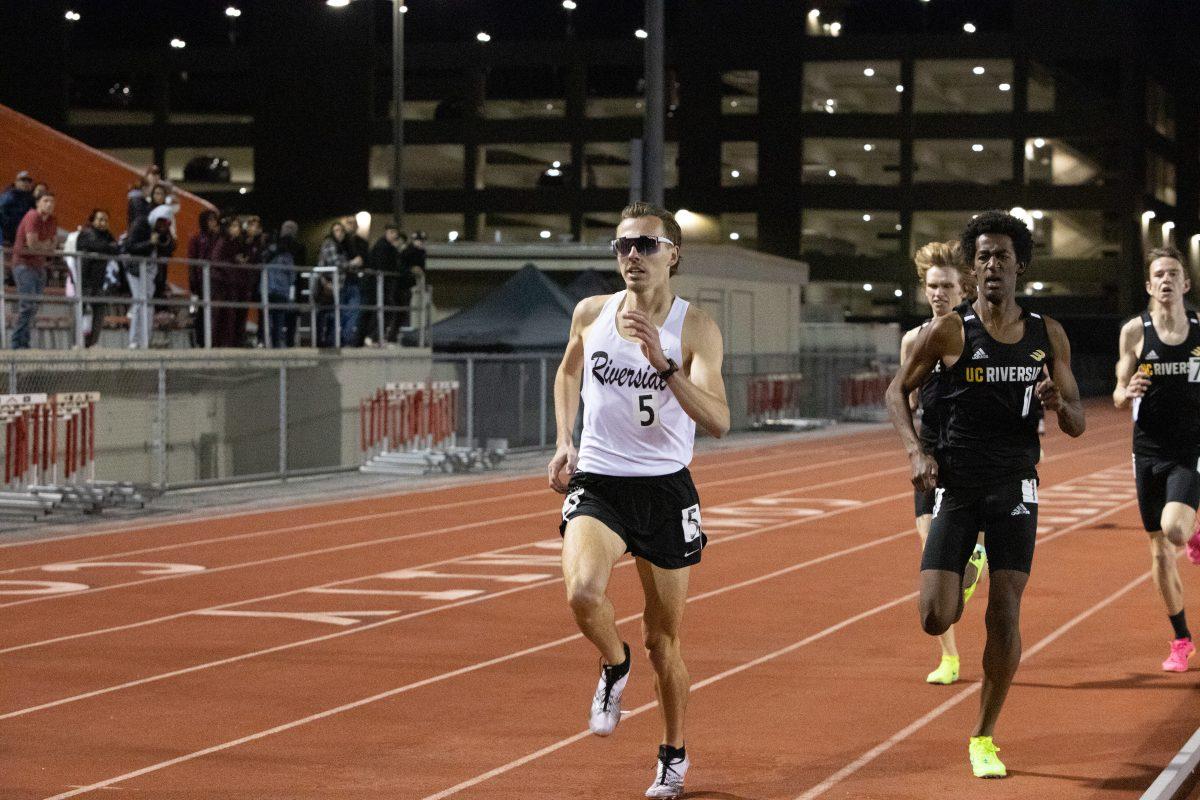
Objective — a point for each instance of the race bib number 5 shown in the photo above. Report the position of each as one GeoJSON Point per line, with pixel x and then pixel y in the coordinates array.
{"type": "Point", "coordinates": [645, 410]}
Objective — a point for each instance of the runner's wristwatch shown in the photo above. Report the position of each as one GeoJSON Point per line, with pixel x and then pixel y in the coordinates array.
{"type": "Point", "coordinates": [671, 369]}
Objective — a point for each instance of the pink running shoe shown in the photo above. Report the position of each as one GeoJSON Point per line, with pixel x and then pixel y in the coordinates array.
{"type": "Point", "coordinates": [1193, 544]}
{"type": "Point", "coordinates": [1181, 651]}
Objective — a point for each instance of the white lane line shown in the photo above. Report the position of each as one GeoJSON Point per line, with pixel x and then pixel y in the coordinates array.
{"type": "Point", "coordinates": [794, 646]}
{"type": "Point", "coordinates": [945, 706]}
{"type": "Point", "coordinates": [186, 670]}
{"type": "Point", "coordinates": [909, 730]}
{"type": "Point", "coordinates": [383, 514]}
{"type": "Point", "coordinates": [537, 648]}
{"type": "Point", "coordinates": [464, 670]}
{"type": "Point", "coordinates": [127, 626]}
{"type": "Point", "coordinates": [471, 601]}
{"type": "Point", "coordinates": [192, 518]}
{"type": "Point", "coordinates": [291, 556]}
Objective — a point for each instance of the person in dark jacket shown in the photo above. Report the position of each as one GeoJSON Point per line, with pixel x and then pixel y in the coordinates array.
{"type": "Point", "coordinates": [200, 248]}
{"type": "Point", "coordinates": [152, 238]}
{"type": "Point", "coordinates": [16, 200]}
{"type": "Point", "coordinates": [229, 251]}
{"type": "Point", "coordinates": [95, 237]}
{"type": "Point", "coordinates": [288, 243]}
{"type": "Point", "coordinates": [384, 258]}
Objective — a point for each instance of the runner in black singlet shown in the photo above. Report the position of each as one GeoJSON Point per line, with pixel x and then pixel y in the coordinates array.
{"type": "Point", "coordinates": [1159, 370]}
{"type": "Point", "coordinates": [1001, 363]}
{"type": "Point", "coordinates": [946, 282]}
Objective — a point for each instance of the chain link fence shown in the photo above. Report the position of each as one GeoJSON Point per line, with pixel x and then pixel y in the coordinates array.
{"type": "Point", "coordinates": [184, 421]}
{"type": "Point", "coordinates": [511, 396]}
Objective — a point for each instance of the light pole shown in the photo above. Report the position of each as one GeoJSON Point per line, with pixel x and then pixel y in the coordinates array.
{"type": "Point", "coordinates": [398, 10]}
{"type": "Point", "coordinates": [655, 112]}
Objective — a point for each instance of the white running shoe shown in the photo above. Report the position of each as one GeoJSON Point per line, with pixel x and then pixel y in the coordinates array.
{"type": "Point", "coordinates": [668, 780]}
{"type": "Point", "coordinates": [606, 704]}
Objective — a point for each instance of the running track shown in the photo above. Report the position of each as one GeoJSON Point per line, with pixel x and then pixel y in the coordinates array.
{"type": "Point", "coordinates": [418, 646]}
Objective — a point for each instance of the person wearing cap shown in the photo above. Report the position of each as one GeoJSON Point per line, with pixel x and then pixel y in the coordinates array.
{"type": "Point", "coordinates": [15, 203]}
{"type": "Point", "coordinates": [33, 246]}
{"type": "Point", "coordinates": [150, 237]}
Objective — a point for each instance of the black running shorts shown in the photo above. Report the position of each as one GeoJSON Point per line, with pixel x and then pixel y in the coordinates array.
{"type": "Point", "coordinates": [922, 502]}
{"type": "Point", "coordinates": [1163, 480]}
{"type": "Point", "coordinates": [657, 517]}
{"type": "Point", "coordinates": [1006, 513]}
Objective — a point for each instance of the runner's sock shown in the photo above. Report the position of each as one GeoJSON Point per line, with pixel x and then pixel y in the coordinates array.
{"type": "Point", "coordinates": [1179, 623]}
{"type": "Point", "coordinates": [672, 753]}
{"type": "Point", "coordinates": [614, 672]}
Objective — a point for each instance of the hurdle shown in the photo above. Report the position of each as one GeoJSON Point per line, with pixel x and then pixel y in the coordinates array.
{"type": "Point", "coordinates": [50, 456]}
{"type": "Point", "coordinates": [412, 428]}
{"type": "Point", "coordinates": [863, 396]}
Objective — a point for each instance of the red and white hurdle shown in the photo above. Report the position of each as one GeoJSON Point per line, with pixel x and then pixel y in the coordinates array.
{"type": "Point", "coordinates": [50, 454]}
{"type": "Point", "coordinates": [411, 427]}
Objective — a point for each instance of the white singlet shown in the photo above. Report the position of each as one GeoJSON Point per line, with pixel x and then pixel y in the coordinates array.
{"type": "Point", "coordinates": [632, 423]}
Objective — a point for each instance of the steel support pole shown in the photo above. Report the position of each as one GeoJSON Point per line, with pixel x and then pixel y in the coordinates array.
{"type": "Point", "coordinates": [265, 312]}
{"type": "Point", "coordinates": [206, 301]}
{"type": "Point", "coordinates": [337, 308]}
{"type": "Point", "coordinates": [398, 112]}
{"type": "Point", "coordinates": [379, 302]}
{"type": "Point", "coordinates": [470, 402]}
{"type": "Point", "coordinates": [542, 405]}
{"type": "Point", "coordinates": [160, 429]}
{"type": "Point", "coordinates": [283, 421]}
{"type": "Point", "coordinates": [655, 112]}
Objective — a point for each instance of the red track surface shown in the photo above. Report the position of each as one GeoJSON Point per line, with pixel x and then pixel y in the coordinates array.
{"type": "Point", "coordinates": [465, 677]}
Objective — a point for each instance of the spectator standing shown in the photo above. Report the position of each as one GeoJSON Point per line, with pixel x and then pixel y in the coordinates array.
{"type": "Point", "coordinates": [226, 282]}
{"type": "Point", "coordinates": [153, 239]}
{"type": "Point", "coordinates": [334, 257]}
{"type": "Point", "coordinates": [281, 259]}
{"type": "Point", "coordinates": [33, 246]}
{"type": "Point", "coordinates": [251, 286]}
{"type": "Point", "coordinates": [385, 259]}
{"type": "Point", "coordinates": [95, 237]}
{"type": "Point", "coordinates": [15, 203]}
{"type": "Point", "coordinates": [351, 299]}
{"type": "Point", "coordinates": [412, 268]}
{"type": "Point", "coordinates": [200, 248]}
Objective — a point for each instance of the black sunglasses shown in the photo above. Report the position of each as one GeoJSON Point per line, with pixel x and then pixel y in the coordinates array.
{"type": "Point", "coordinates": [646, 245]}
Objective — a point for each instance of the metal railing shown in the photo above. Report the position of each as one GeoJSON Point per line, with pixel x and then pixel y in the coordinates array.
{"type": "Point", "coordinates": [201, 306]}
{"type": "Point", "coordinates": [511, 395]}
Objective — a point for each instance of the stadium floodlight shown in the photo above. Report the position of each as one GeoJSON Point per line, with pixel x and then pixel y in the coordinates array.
{"type": "Point", "coordinates": [641, 33]}
{"type": "Point", "coordinates": [73, 16]}
{"type": "Point", "coordinates": [483, 37]}
{"type": "Point", "coordinates": [233, 12]}
{"type": "Point", "coordinates": [969, 27]}
{"type": "Point", "coordinates": [178, 43]}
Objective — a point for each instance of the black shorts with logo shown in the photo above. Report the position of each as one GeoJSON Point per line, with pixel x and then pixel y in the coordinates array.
{"type": "Point", "coordinates": [658, 517]}
{"type": "Point", "coordinates": [1163, 479]}
{"type": "Point", "coordinates": [923, 502]}
{"type": "Point", "coordinates": [1006, 513]}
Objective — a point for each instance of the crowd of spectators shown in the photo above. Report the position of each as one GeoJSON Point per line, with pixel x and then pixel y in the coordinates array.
{"type": "Point", "coordinates": [130, 271]}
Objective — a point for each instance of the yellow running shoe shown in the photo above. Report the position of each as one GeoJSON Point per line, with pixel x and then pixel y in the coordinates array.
{"type": "Point", "coordinates": [984, 762]}
{"type": "Point", "coordinates": [946, 672]}
{"type": "Point", "coordinates": [978, 560]}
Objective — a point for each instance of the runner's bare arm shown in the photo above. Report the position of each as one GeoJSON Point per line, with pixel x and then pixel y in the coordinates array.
{"type": "Point", "coordinates": [1059, 392]}
{"type": "Point", "coordinates": [566, 393]}
{"type": "Point", "coordinates": [698, 386]}
{"type": "Point", "coordinates": [1130, 382]}
{"type": "Point", "coordinates": [906, 346]}
{"type": "Point", "coordinates": [941, 340]}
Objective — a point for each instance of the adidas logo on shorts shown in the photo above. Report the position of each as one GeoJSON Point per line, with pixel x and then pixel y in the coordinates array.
{"type": "Point", "coordinates": [1020, 510]}
{"type": "Point", "coordinates": [980, 353]}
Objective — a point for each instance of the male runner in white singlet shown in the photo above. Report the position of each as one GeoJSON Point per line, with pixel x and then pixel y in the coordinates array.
{"type": "Point", "coordinates": [649, 365]}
